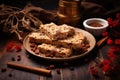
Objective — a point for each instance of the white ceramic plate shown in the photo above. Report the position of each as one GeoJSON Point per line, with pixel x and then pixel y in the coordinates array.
{"type": "Point", "coordinates": [88, 35]}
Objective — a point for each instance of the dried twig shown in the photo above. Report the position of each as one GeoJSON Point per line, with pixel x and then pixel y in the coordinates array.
{"type": "Point", "coordinates": [15, 20]}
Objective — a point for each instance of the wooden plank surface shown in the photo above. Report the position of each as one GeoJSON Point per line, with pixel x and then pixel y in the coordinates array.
{"type": "Point", "coordinates": [76, 70]}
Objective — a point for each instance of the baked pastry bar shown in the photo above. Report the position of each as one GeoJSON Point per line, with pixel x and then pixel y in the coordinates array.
{"type": "Point", "coordinates": [73, 42]}
{"type": "Point", "coordinates": [53, 50]}
{"type": "Point", "coordinates": [56, 32]}
{"type": "Point", "coordinates": [39, 37]}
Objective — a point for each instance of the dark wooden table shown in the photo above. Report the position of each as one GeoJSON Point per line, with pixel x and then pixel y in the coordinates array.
{"type": "Point", "coordinates": [71, 70]}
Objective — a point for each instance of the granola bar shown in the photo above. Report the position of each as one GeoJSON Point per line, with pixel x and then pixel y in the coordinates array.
{"type": "Point", "coordinates": [56, 32]}
{"type": "Point", "coordinates": [73, 42]}
{"type": "Point", "coordinates": [54, 50]}
{"type": "Point", "coordinates": [38, 37]}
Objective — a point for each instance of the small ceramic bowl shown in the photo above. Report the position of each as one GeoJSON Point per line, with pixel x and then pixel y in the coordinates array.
{"type": "Point", "coordinates": [95, 26]}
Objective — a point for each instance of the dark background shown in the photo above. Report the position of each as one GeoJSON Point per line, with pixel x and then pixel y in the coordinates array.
{"type": "Point", "coordinates": [53, 4]}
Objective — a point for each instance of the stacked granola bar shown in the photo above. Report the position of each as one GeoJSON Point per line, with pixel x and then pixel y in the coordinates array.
{"type": "Point", "coordinates": [57, 40]}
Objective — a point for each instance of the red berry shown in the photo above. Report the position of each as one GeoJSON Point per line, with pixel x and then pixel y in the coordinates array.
{"type": "Point", "coordinates": [106, 68]}
{"type": "Point", "coordinates": [18, 48]}
{"type": "Point", "coordinates": [10, 46]}
{"type": "Point", "coordinates": [109, 41]}
{"type": "Point", "coordinates": [92, 67]}
{"type": "Point", "coordinates": [93, 71]}
{"type": "Point", "coordinates": [115, 23]}
{"type": "Point", "coordinates": [117, 41]}
{"type": "Point", "coordinates": [111, 55]}
{"type": "Point", "coordinates": [105, 62]}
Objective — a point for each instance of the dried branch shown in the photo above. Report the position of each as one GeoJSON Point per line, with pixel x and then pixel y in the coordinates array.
{"type": "Point", "coordinates": [15, 20]}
